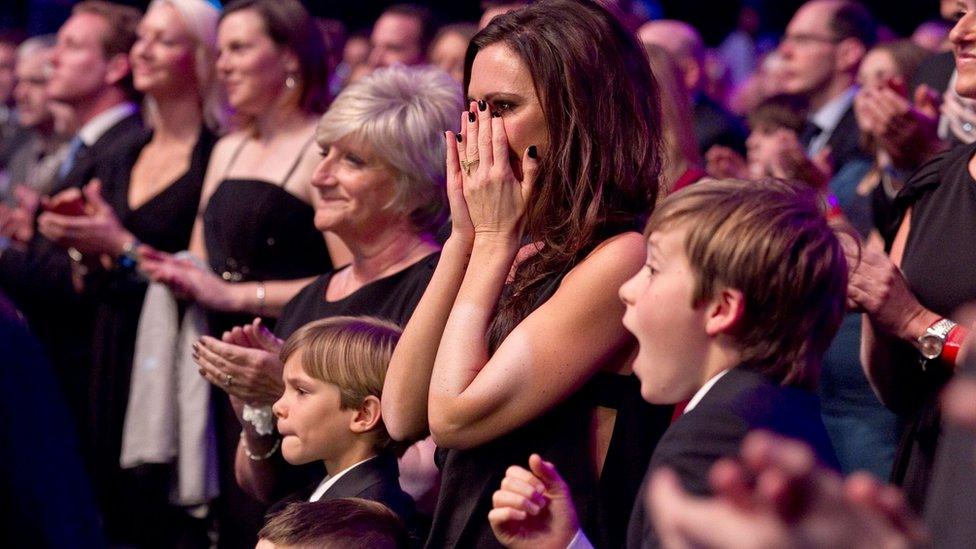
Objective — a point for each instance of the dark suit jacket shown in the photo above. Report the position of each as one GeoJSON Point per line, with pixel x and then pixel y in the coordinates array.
{"type": "Point", "coordinates": [716, 126]}
{"type": "Point", "coordinates": [376, 480]}
{"type": "Point", "coordinates": [739, 402]}
{"type": "Point", "coordinates": [38, 280]}
{"type": "Point", "coordinates": [117, 137]}
{"type": "Point", "coordinates": [844, 142]}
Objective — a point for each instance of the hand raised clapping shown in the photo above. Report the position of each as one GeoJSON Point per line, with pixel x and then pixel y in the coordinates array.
{"type": "Point", "coordinates": [244, 362]}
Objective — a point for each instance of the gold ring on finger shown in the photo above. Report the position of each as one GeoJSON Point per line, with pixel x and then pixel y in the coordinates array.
{"type": "Point", "coordinates": [229, 380]}
{"type": "Point", "coordinates": [468, 164]}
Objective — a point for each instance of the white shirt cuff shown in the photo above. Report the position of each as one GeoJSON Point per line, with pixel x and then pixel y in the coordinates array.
{"type": "Point", "coordinates": [580, 541]}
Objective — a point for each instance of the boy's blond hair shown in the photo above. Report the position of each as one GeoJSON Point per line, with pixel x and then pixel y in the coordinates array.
{"type": "Point", "coordinates": [771, 241]}
{"type": "Point", "coordinates": [352, 353]}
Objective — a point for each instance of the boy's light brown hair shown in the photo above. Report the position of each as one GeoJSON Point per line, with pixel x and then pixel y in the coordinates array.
{"type": "Point", "coordinates": [771, 241]}
{"type": "Point", "coordinates": [336, 523]}
{"type": "Point", "coordinates": [353, 354]}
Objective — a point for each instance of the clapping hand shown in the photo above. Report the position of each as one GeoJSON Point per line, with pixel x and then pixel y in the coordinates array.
{"type": "Point", "coordinates": [96, 230]}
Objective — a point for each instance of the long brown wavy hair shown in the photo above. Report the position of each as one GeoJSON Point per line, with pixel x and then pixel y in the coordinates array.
{"type": "Point", "coordinates": [601, 106]}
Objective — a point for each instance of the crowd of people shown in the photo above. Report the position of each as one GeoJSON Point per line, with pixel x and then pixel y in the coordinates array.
{"type": "Point", "coordinates": [561, 277]}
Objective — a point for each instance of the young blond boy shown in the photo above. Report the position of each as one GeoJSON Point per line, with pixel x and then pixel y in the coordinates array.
{"type": "Point", "coordinates": [330, 411]}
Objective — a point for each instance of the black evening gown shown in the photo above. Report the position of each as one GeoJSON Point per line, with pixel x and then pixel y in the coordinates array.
{"type": "Point", "coordinates": [163, 222]}
{"type": "Point", "coordinates": [253, 230]}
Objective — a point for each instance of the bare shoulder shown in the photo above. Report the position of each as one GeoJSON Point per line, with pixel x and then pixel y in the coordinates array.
{"type": "Point", "coordinates": [615, 259]}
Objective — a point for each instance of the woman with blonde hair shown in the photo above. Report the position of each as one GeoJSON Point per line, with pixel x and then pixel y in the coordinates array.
{"type": "Point", "coordinates": [145, 194]}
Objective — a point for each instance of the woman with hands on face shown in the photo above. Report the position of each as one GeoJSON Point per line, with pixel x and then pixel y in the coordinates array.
{"type": "Point", "coordinates": [380, 189]}
{"type": "Point", "coordinates": [145, 196]}
{"type": "Point", "coordinates": [517, 344]}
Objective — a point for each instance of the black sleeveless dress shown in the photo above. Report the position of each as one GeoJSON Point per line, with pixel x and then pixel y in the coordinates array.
{"type": "Point", "coordinates": [939, 260]}
{"type": "Point", "coordinates": [253, 230]}
{"type": "Point", "coordinates": [562, 436]}
{"type": "Point", "coordinates": [163, 222]}
{"type": "Point", "coordinates": [256, 230]}
{"type": "Point", "coordinates": [390, 298]}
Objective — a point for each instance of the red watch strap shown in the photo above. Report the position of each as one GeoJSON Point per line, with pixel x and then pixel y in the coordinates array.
{"type": "Point", "coordinates": [954, 339]}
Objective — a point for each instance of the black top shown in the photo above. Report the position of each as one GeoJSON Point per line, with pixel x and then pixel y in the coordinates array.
{"type": "Point", "coordinates": [739, 402]}
{"type": "Point", "coordinates": [391, 298]}
{"type": "Point", "coordinates": [256, 230]}
{"type": "Point", "coordinates": [176, 204]}
{"type": "Point", "coordinates": [562, 436]}
{"type": "Point", "coordinates": [938, 263]}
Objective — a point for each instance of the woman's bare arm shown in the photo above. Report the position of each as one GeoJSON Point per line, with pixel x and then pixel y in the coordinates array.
{"type": "Point", "coordinates": [547, 357]}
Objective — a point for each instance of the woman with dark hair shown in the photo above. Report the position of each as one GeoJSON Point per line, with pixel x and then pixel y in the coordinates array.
{"type": "Point", "coordinates": [549, 180]}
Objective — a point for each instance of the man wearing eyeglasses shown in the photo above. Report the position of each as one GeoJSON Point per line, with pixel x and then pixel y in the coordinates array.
{"type": "Point", "coordinates": [822, 49]}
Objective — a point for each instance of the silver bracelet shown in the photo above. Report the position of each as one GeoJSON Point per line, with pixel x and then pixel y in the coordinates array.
{"type": "Point", "coordinates": [260, 292]}
{"type": "Point", "coordinates": [259, 457]}
{"type": "Point", "coordinates": [261, 417]}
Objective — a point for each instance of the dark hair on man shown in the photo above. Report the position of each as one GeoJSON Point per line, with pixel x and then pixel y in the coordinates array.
{"type": "Point", "coordinates": [289, 25]}
{"type": "Point", "coordinates": [336, 523]}
{"type": "Point", "coordinates": [780, 111]}
{"type": "Point", "coordinates": [601, 105]}
{"type": "Point", "coordinates": [853, 20]}
{"type": "Point", "coordinates": [122, 22]}
{"type": "Point", "coordinates": [428, 21]}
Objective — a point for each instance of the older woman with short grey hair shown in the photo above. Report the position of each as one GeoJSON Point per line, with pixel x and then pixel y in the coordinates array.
{"type": "Point", "coordinates": [380, 189]}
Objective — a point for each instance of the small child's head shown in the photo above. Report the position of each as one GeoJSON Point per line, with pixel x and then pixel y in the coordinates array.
{"type": "Point", "coordinates": [748, 273]}
{"type": "Point", "coordinates": [768, 122]}
{"type": "Point", "coordinates": [334, 524]}
{"type": "Point", "coordinates": [333, 374]}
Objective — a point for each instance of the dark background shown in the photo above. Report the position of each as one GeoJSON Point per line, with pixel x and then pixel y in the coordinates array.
{"type": "Point", "coordinates": [714, 18]}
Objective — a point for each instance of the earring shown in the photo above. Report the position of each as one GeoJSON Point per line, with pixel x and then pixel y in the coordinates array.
{"type": "Point", "coordinates": [290, 82]}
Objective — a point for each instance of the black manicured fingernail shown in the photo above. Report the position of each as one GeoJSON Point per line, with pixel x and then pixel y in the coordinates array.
{"type": "Point", "coordinates": [533, 152]}
{"type": "Point", "coordinates": [482, 106]}
{"type": "Point", "coordinates": [495, 114]}
{"type": "Point", "coordinates": [458, 137]}
{"type": "Point", "coordinates": [470, 117]}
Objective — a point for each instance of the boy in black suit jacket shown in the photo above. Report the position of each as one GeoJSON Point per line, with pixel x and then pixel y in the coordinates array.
{"type": "Point", "coordinates": [330, 411]}
{"type": "Point", "coordinates": [743, 290]}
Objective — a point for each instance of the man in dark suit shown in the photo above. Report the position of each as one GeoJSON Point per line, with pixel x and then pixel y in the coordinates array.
{"type": "Point", "coordinates": [90, 74]}
{"type": "Point", "coordinates": [822, 50]}
{"type": "Point", "coordinates": [713, 124]}
{"type": "Point", "coordinates": [722, 318]}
